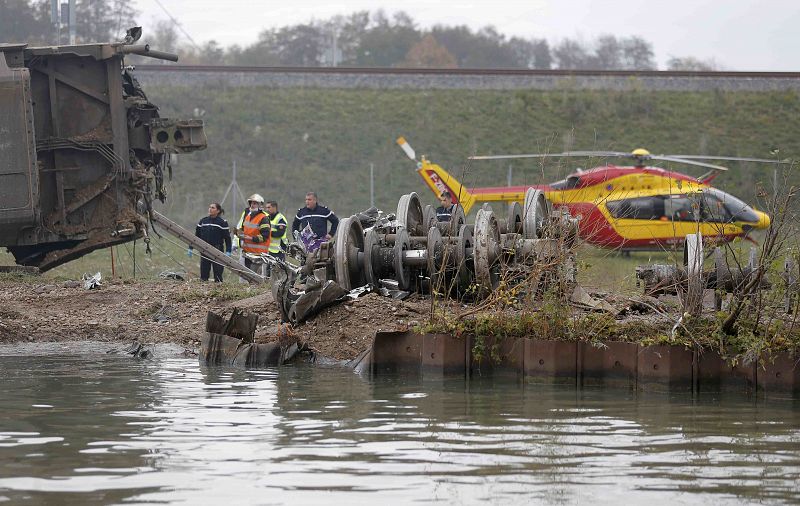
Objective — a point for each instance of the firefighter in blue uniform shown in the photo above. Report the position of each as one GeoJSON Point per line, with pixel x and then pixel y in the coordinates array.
{"type": "Point", "coordinates": [445, 211]}
{"type": "Point", "coordinates": [317, 217]}
{"type": "Point", "coordinates": [214, 230]}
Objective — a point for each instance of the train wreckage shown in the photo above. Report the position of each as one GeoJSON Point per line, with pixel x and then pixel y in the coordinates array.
{"type": "Point", "coordinates": [83, 152]}
{"type": "Point", "coordinates": [410, 251]}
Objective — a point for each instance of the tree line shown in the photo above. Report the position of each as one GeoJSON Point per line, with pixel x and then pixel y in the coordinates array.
{"type": "Point", "coordinates": [361, 39]}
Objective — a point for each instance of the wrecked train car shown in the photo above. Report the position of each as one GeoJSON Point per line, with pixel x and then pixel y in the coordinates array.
{"type": "Point", "coordinates": [82, 150]}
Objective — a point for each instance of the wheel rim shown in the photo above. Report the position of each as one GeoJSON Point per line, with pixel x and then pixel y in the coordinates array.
{"type": "Point", "coordinates": [409, 214]}
{"type": "Point", "coordinates": [429, 217]}
{"type": "Point", "coordinates": [434, 256]}
{"type": "Point", "coordinates": [402, 273]}
{"type": "Point", "coordinates": [534, 213]}
{"type": "Point", "coordinates": [486, 252]}
{"type": "Point", "coordinates": [466, 241]}
{"type": "Point", "coordinates": [349, 251]}
{"type": "Point", "coordinates": [370, 252]}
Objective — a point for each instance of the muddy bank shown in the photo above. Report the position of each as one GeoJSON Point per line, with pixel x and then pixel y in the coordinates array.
{"type": "Point", "coordinates": [38, 310]}
{"type": "Point", "coordinates": [33, 309]}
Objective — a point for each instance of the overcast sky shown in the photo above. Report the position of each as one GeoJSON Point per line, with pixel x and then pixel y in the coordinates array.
{"type": "Point", "coordinates": [737, 34]}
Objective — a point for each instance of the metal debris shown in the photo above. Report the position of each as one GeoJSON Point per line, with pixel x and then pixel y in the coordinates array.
{"type": "Point", "coordinates": [179, 275]}
{"type": "Point", "coordinates": [137, 350]}
{"type": "Point", "coordinates": [91, 282]}
{"type": "Point", "coordinates": [581, 298]}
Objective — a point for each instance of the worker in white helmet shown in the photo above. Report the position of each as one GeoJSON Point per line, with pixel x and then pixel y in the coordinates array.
{"type": "Point", "coordinates": [253, 229]}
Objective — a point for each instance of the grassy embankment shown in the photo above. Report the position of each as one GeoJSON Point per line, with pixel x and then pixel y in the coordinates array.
{"type": "Point", "coordinates": [288, 141]}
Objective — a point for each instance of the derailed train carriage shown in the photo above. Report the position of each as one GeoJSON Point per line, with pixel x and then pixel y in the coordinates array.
{"type": "Point", "coordinates": [82, 150]}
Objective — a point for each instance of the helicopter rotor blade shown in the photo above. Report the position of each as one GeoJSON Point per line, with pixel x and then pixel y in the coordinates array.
{"type": "Point", "coordinates": [684, 159]}
{"type": "Point", "coordinates": [733, 158]}
{"type": "Point", "coordinates": [688, 162]}
{"type": "Point", "coordinates": [584, 154]}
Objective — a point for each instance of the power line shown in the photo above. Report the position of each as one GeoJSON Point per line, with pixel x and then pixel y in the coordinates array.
{"type": "Point", "coordinates": [175, 22]}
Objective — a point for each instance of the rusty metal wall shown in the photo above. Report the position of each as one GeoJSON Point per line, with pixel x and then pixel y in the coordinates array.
{"type": "Point", "coordinates": [629, 366]}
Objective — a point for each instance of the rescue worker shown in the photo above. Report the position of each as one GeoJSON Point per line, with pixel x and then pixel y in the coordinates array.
{"type": "Point", "coordinates": [445, 211]}
{"type": "Point", "coordinates": [214, 230]}
{"type": "Point", "coordinates": [254, 233]}
{"type": "Point", "coordinates": [317, 217]}
{"type": "Point", "coordinates": [278, 224]}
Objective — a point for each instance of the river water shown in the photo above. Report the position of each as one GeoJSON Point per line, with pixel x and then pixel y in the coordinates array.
{"type": "Point", "coordinates": [82, 427]}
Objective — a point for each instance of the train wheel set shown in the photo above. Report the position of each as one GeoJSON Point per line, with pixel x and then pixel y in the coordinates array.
{"type": "Point", "coordinates": [411, 251]}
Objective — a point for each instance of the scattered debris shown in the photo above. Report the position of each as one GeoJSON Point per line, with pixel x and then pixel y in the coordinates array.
{"type": "Point", "coordinates": [43, 289]}
{"type": "Point", "coordinates": [91, 282]}
{"type": "Point", "coordinates": [296, 306]}
{"type": "Point", "coordinates": [178, 275]}
{"type": "Point", "coordinates": [161, 315]}
{"type": "Point", "coordinates": [231, 343]}
{"type": "Point", "coordinates": [582, 299]}
{"type": "Point", "coordinates": [137, 350]}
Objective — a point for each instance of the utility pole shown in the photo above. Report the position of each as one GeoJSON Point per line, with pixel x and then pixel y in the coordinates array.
{"type": "Point", "coordinates": [510, 171]}
{"type": "Point", "coordinates": [64, 16]}
{"type": "Point", "coordinates": [372, 185]}
{"type": "Point", "coordinates": [234, 183]}
{"type": "Point", "coordinates": [54, 20]}
{"type": "Point", "coordinates": [72, 24]}
{"type": "Point", "coordinates": [234, 190]}
{"type": "Point", "coordinates": [335, 37]}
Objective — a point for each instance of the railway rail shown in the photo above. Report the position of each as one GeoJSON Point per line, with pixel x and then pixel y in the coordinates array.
{"type": "Point", "coordinates": [223, 69]}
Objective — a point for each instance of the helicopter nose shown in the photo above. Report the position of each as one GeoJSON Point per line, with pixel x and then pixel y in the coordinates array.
{"type": "Point", "coordinates": [763, 220]}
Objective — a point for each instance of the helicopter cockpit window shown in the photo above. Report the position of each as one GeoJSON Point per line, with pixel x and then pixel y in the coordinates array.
{"type": "Point", "coordinates": [642, 208]}
{"type": "Point", "coordinates": [566, 184]}
{"type": "Point", "coordinates": [736, 209]}
{"type": "Point", "coordinates": [713, 208]}
{"type": "Point", "coordinates": [682, 208]}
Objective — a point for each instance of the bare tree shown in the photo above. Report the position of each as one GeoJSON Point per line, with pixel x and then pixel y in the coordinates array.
{"type": "Point", "coordinates": [571, 55]}
{"type": "Point", "coordinates": [165, 36]}
{"type": "Point", "coordinates": [608, 53]}
{"type": "Point", "coordinates": [637, 54]}
{"type": "Point", "coordinates": [103, 20]}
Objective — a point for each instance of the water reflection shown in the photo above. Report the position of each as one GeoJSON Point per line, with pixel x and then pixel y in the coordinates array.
{"type": "Point", "coordinates": [107, 429]}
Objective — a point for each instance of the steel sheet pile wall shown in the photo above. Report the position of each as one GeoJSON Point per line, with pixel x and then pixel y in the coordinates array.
{"type": "Point", "coordinates": [582, 364]}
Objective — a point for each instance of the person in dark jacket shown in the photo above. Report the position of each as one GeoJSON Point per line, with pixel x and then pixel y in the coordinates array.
{"type": "Point", "coordinates": [214, 230]}
{"type": "Point", "coordinates": [445, 211]}
{"type": "Point", "coordinates": [317, 217]}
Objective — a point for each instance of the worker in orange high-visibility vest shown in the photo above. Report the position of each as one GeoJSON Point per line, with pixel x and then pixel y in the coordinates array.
{"type": "Point", "coordinates": [254, 235]}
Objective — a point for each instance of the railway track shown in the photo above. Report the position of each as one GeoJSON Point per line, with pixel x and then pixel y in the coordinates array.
{"type": "Point", "coordinates": [225, 69]}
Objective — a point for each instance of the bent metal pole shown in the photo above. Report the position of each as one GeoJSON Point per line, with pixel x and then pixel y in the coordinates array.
{"type": "Point", "coordinates": [206, 249]}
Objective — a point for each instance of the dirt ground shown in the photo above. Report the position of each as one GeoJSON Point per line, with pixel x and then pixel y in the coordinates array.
{"type": "Point", "coordinates": [39, 310]}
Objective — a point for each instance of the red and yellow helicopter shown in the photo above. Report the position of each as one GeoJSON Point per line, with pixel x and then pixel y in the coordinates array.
{"type": "Point", "coordinates": [635, 207]}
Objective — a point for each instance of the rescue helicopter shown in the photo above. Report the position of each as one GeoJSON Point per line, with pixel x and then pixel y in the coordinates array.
{"type": "Point", "coordinates": [625, 207]}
